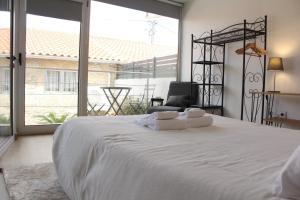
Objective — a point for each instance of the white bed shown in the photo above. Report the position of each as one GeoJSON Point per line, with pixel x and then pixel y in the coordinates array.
{"type": "Point", "coordinates": [112, 158]}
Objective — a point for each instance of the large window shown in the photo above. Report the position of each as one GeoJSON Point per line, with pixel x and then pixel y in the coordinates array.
{"type": "Point", "coordinates": [130, 48]}
{"type": "Point", "coordinates": [132, 44]}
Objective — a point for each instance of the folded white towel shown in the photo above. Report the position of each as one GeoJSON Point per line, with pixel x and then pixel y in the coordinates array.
{"type": "Point", "coordinates": [145, 121]}
{"type": "Point", "coordinates": [197, 122]}
{"type": "Point", "coordinates": [164, 115]}
{"type": "Point", "coordinates": [179, 123]}
{"type": "Point", "coordinates": [193, 112]}
{"type": "Point", "coordinates": [171, 124]}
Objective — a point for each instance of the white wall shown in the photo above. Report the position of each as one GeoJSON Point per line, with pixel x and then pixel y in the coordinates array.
{"type": "Point", "coordinates": [283, 41]}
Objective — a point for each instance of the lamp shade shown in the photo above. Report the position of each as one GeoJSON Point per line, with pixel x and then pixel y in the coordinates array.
{"type": "Point", "coordinates": [275, 63]}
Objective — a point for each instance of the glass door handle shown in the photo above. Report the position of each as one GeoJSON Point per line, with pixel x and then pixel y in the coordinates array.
{"type": "Point", "coordinates": [8, 57]}
{"type": "Point", "coordinates": [20, 59]}
{"type": "Point", "coordinates": [15, 58]}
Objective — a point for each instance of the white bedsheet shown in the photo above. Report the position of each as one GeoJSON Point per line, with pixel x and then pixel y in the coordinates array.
{"type": "Point", "coordinates": [112, 158]}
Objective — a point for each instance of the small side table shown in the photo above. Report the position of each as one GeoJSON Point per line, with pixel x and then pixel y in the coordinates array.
{"type": "Point", "coordinates": [159, 100]}
{"type": "Point", "coordinates": [113, 98]}
{"type": "Point", "coordinates": [268, 116]}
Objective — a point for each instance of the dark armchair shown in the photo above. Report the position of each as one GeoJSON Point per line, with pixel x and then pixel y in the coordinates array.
{"type": "Point", "coordinates": [180, 96]}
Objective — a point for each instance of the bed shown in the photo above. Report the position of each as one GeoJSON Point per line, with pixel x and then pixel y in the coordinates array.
{"type": "Point", "coordinates": [112, 158]}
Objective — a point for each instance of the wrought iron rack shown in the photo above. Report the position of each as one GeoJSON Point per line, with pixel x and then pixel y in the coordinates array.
{"type": "Point", "coordinates": [208, 63]}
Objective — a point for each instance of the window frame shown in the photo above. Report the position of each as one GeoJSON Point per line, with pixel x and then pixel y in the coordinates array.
{"type": "Point", "coordinates": [61, 85]}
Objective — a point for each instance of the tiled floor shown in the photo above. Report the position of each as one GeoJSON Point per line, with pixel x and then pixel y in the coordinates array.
{"type": "Point", "coordinates": [5, 142]}
{"type": "Point", "coordinates": [27, 150]}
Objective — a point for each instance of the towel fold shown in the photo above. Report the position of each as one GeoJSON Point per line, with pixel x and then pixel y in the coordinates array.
{"type": "Point", "coordinates": [164, 115]}
{"type": "Point", "coordinates": [193, 113]}
{"type": "Point", "coordinates": [171, 124]}
{"type": "Point", "coordinates": [197, 122]}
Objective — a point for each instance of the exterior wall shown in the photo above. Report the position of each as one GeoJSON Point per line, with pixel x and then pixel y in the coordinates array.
{"type": "Point", "coordinates": [37, 68]}
{"type": "Point", "coordinates": [283, 41]}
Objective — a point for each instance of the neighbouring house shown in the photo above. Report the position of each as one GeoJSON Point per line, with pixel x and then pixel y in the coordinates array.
{"type": "Point", "coordinates": [52, 60]}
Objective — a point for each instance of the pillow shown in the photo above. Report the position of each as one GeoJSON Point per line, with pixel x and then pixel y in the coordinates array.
{"type": "Point", "coordinates": [178, 101]}
{"type": "Point", "coordinates": [287, 184]}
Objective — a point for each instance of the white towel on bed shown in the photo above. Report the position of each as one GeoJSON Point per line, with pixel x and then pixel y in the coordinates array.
{"type": "Point", "coordinates": [164, 115]}
{"type": "Point", "coordinates": [193, 113]}
{"type": "Point", "coordinates": [197, 122]}
{"type": "Point", "coordinates": [170, 124]}
{"type": "Point", "coordinates": [149, 119]}
{"type": "Point", "coordinates": [159, 121]}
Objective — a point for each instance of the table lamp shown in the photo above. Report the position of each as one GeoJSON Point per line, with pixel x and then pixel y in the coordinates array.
{"type": "Point", "coordinates": [275, 64]}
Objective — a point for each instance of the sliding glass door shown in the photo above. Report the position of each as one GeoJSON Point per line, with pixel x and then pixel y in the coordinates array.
{"type": "Point", "coordinates": [6, 67]}
{"type": "Point", "coordinates": [51, 71]}
{"type": "Point", "coordinates": [50, 48]}
{"type": "Point", "coordinates": [68, 54]}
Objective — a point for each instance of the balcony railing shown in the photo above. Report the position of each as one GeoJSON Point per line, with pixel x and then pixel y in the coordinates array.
{"type": "Point", "coordinates": [161, 67]}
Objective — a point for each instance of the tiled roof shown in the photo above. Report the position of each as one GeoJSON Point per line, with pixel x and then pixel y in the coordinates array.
{"type": "Point", "coordinates": [66, 45]}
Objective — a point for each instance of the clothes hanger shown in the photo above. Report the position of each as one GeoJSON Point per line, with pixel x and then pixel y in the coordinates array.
{"type": "Point", "coordinates": [255, 50]}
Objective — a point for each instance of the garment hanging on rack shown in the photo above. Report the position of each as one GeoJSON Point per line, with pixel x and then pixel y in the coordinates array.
{"type": "Point", "coordinates": [255, 50]}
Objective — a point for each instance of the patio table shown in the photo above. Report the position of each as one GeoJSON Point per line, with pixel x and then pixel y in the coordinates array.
{"type": "Point", "coordinates": [93, 110]}
{"type": "Point", "coordinates": [113, 95]}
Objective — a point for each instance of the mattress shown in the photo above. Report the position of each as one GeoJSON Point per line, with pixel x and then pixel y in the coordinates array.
{"type": "Point", "coordinates": [112, 158]}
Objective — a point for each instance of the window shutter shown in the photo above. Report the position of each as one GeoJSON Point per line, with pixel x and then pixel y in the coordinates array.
{"type": "Point", "coordinates": [4, 5]}
{"type": "Point", "coordinates": [151, 6]}
{"type": "Point", "coordinates": [62, 9]}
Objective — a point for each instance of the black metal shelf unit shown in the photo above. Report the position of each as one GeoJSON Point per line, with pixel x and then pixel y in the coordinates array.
{"type": "Point", "coordinates": [208, 63]}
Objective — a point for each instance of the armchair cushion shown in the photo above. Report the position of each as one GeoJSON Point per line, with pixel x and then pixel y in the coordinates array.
{"type": "Point", "coordinates": [178, 93]}
{"type": "Point", "coordinates": [164, 108]}
{"type": "Point", "coordinates": [178, 100]}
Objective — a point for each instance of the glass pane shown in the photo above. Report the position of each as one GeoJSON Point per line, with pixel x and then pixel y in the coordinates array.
{"type": "Point", "coordinates": [70, 81]}
{"type": "Point", "coordinates": [52, 60]}
{"type": "Point", "coordinates": [5, 71]}
{"type": "Point", "coordinates": [130, 51]}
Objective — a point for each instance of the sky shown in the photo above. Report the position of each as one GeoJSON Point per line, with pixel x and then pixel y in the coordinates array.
{"type": "Point", "coordinates": [113, 22]}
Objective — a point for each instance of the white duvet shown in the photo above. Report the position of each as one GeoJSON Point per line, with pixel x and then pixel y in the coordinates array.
{"type": "Point", "coordinates": [112, 158]}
